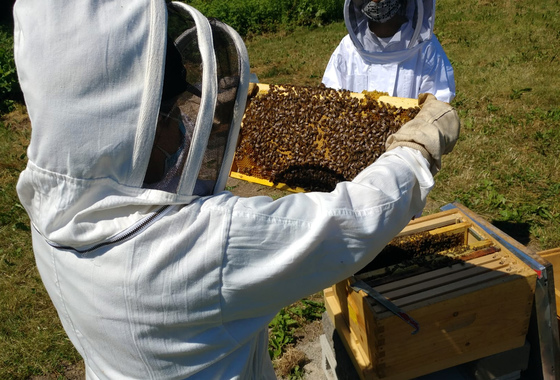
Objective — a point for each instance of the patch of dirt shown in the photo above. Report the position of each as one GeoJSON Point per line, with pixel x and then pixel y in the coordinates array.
{"type": "Point", "coordinates": [291, 359]}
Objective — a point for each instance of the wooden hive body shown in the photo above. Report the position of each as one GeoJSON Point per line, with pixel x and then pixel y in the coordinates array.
{"type": "Point", "coordinates": [465, 311]}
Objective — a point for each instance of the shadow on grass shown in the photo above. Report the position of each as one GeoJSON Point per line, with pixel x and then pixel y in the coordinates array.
{"type": "Point", "coordinates": [518, 231]}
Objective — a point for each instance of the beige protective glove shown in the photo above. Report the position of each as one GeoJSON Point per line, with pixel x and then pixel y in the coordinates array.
{"type": "Point", "coordinates": [434, 131]}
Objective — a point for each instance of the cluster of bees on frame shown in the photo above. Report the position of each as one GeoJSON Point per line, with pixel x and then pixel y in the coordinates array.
{"type": "Point", "coordinates": [413, 254]}
{"type": "Point", "coordinates": [314, 137]}
{"type": "Point", "coordinates": [416, 247]}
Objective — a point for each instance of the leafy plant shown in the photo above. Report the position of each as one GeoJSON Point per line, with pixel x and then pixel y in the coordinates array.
{"type": "Point", "coordinates": [9, 85]}
{"type": "Point", "coordinates": [297, 373]}
{"type": "Point", "coordinates": [516, 93]}
{"type": "Point", "coordinates": [281, 333]}
{"type": "Point", "coordinates": [287, 321]}
{"type": "Point", "coordinates": [259, 16]}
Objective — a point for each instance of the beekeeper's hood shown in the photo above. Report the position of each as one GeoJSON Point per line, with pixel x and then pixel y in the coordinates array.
{"type": "Point", "coordinates": [93, 76]}
{"type": "Point", "coordinates": [421, 13]}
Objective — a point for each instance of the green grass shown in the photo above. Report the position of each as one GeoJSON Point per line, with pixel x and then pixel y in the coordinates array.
{"type": "Point", "coordinates": [505, 166]}
{"type": "Point", "coordinates": [9, 86]}
{"type": "Point", "coordinates": [297, 56]}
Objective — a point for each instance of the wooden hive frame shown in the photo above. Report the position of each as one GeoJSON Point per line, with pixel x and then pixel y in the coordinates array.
{"type": "Point", "coordinates": [242, 164]}
{"type": "Point", "coordinates": [465, 311]}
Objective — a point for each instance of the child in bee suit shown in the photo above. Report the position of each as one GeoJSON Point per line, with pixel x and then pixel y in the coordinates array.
{"type": "Point", "coordinates": [390, 47]}
{"type": "Point", "coordinates": [156, 272]}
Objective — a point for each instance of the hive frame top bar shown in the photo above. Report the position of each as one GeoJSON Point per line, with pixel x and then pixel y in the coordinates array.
{"type": "Point", "coordinates": [392, 100]}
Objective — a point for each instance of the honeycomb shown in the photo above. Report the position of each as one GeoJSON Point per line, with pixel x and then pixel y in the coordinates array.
{"type": "Point", "coordinates": [314, 137]}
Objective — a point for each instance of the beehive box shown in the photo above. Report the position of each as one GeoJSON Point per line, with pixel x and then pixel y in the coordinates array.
{"type": "Point", "coordinates": [305, 138]}
{"type": "Point", "coordinates": [477, 305]}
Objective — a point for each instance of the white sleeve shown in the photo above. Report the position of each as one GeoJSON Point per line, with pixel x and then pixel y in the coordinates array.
{"type": "Point", "coordinates": [281, 251]}
{"type": "Point", "coordinates": [333, 74]}
{"type": "Point", "coordinates": [438, 77]}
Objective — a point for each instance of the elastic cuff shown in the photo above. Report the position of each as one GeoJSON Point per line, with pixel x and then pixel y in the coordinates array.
{"type": "Point", "coordinates": [416, 146]}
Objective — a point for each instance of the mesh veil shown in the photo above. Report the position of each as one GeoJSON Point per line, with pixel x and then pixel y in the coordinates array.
{"type": "Point", "coordinates": [183, 92]}
{"type": "Point", "coordinates": [420, 12]}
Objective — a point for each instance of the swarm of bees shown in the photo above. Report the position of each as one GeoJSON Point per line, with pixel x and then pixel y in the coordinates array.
{"type": "Point", "coordinates": [314, 137]}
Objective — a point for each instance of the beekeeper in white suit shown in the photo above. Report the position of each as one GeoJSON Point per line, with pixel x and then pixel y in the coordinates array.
{"type": "Point", "coordinates": [155, 271]}
{"type": "Point", "coordinates": [390, 47]}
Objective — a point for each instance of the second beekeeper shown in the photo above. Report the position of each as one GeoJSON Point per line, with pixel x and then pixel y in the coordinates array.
{"type": "Point", "coordinates": [390, 47]}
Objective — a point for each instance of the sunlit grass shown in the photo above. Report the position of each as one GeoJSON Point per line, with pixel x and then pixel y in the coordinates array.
{"type": "Point", "coordinates": [505, 166]}
{"type": "Point", "coordinates": [298, 56]}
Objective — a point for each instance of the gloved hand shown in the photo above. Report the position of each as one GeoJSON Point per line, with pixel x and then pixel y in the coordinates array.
{"type": "Point", "coordinates": [434, 131]}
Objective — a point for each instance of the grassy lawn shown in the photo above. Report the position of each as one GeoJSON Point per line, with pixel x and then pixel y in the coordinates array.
{"type": "Point", "coordinates": [505, 166]}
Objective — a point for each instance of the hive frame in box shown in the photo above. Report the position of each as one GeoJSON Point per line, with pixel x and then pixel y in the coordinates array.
{"type": "Point", "coordinates": [542, 296]}
{"type": "Point", "coordinates": [545, 299]}
{"type": "Point", "coordinates": [263, 89]}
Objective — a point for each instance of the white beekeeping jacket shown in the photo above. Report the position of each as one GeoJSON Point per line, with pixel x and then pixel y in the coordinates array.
{"type": "Point", "coordinates": [408, 64]}
{"type": "Point", "coordinates": [177, 278]}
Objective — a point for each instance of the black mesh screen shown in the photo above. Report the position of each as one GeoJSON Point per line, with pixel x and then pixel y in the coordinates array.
{"type": "Point", "coordinates": [228, 82]}
{"type": "Point", "coordinates": [181, 101]}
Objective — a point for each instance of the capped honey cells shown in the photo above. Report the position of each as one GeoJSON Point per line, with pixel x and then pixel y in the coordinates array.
{"type": "Point", "coordinates": [314, 137]}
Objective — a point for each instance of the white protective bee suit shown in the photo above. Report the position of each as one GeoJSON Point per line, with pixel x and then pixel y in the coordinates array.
{"type": "Point", "coordinates": [177, 278]}
{"type": "Point", "coordinates": [405, 65]}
